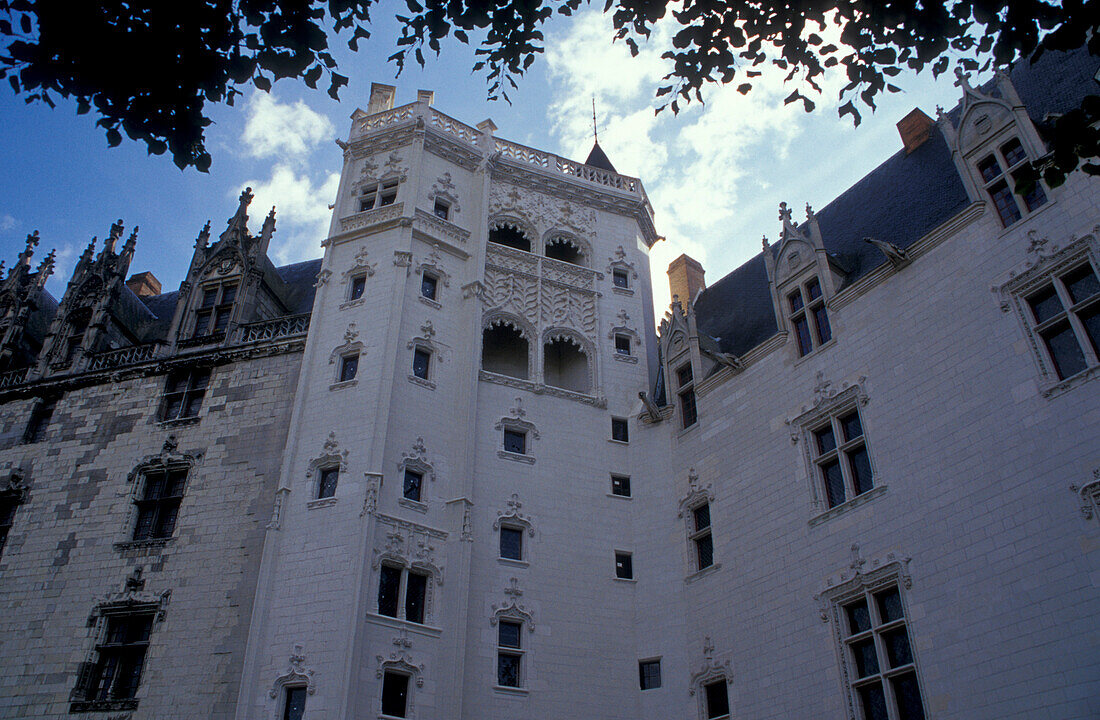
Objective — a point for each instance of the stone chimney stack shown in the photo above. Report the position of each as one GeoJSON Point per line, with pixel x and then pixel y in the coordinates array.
{"type": "Point", "coordinates": [381, 98]}
{"type": "Point", "coordinates": [144, 284]}
{"type": "Point", "coordinates": [914, 129]}
{"type": "Point", "coordinates": [685, 279]}
{"type": "Point", "coordinates": [425, 96]}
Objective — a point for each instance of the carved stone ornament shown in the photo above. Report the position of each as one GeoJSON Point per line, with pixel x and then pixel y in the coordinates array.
{"type": "Point", "coordinates": [402, 258]}
{"type": "Point", "coordinates": [169, 456]}
{"type": "Point", "coordinates": [541, 213]}
{"type": "Point", "coordinates": [515, 419]}
{"type": "Point", "coordinates": [276, 522]}
{"type": "Point", "coordinates": [860, 575]}
{"type": "Point", "coordinates": [370, 501]}
{"type": "Point", "coordinates": [619, 261]}
{"type": "Point", "coordinates": [513, 517]}
{"type": "Point", "coordinates": [828, 399]}
{"type": "Point", "coordinates": [511, 608]}
{"type": "Point", "coordinates": [444, 189]}
{"type": "Point", "coordinates": [322, 278]}
{"type": "Point", "coordinates": [1089, 496]}
{"type": "Point", "coordinates": [697, 494]}
{"type": "Point", "coordinates": [417, 460]}
{"type": "Point", "coordinates": [331, 456]}
{"type": "Point", "coordinates": [406, 544]}
{"type": "Point", "coordinates": [297, 673]}
{"type": "Point", "coordinates": [13, 487]}
{"type": "Point", "coordinates": [434, 265]}
{"type": "Point", "coordinates": [401, 660]}
{"type": "Point", "coordinates": [710, 670]}
{"type": "Point", "coordinates": [133, 597]}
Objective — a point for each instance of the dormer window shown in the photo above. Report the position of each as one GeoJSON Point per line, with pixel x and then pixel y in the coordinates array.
{"type": "Point", "coordinates": [808, 317]}
{"type": "Point", "coordinates": [999, 171]}
{"type": "Point", "coordinates": [74, 339]}
{"type": "Point", "coordinates": [214, 309]}
{"type": "Point", "coordinates": [378, 195]}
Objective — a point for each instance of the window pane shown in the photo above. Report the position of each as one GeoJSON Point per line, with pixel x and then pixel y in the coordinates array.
{"type": "Point", "coordinates": [802, 330]}
{"type": "Point", "coordinates": [511, 543]}
{"type": "Point", "coordinates": [826, 442]}
{"type": "Point", "coordinates": [834, 482]}
{"type": "Point", "coordinates": [508, 634]}
{"type": "Point", "coordinates": [1013, 152]}
{"type": "Point", "coordinates": [421, 360]}
{"type": "Point", "coordinates": [865, 657]}
{"type": "Point", "coordinates": [989, 168]}
{"type": "Point", "coordinates": [859, 619]}
{"type": "Point", "coordinates": [1091, 320]}
{"type": "Point", "coordinates": [624, 566]}
{"type": "Point", "coordinates": [508, 670]}
{"type": "Point", "coordinates": [704, 551]}
{"type": "Point", "coordinates": [873, 702]}
{"type": "Point", "coordinates": [897, 647]}
{"type": "Point", "coordinates": [1005, 203]}
{"type": "Point", "coordinates": [389, 581]}
{"type": "Point", "coordinates": [618, 278]}
{"type": "Point", "coordinates": [702, 517]}
{"type": "Point", "coordinates": [622, 344]}
{"type": "Point", "coordinates": [166, 520]}
{"type": "Point", "coordinates": [515, 441]}
{"type": "Point", "coordinates": [889, 605]}
{"type": "Point", "coordinates": [1081, 283]}
{"type": "Point", "coordinates": [619, 430]}
{"type": "Point", "coordinates": [143, 528]}
{"type": "Point", "coordinates": [821, 318]}
{"type": "Point", "coordinates": [209, 297]}
{"type": "Point", "coordinates": [348, 367]}
{"type": "Point", "coordinates": [415, 595]}
{"type": "Point", "coordinates": [718, 703]}
{"type": "Point", "coordinates": [688, 413]}
{"type": "Point", "coordinates": [441, 209]}
{"type": "Point", "coordinates": [326, 487]}
{"type": "Point", "coordinates": [428, 287]}
{"type": "Point", "coordinates": [295, 703]}
{"type": "Point", "coordinates": [620, 485]}
{"type": "Point", "coordinates": [907, 695]}
{"type": "Point", "coordinates": [1035, 197]}
{"type": "Point", "coordinates": [851, 426]}
{"type": "Point", "coordinates": [859, 465]}
{"type": "Point", "coordinates": [1064, 350]}
{"type": "Point", "coordinates": [395, 691]}
{"type": "Point", "coordinates": [683, 375]}
{"type": "Point", "coordinates": [795, 300]}
{"type": "Point", "coordinates": [202, 323]}
{"type": "Point", "coordinates": [649, 674]}
{"type": "Point", "coordinates": [1045, 304]}
{"type": "Point", "coordinates": [814, 289]}
{"type": "Point", "coordinates": [358, 284]}
{"type": "Point", "coordinates": [412, 486]}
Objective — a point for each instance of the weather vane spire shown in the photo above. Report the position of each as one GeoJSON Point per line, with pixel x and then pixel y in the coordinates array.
{"type": "Point", "coordinates": [595, 132]}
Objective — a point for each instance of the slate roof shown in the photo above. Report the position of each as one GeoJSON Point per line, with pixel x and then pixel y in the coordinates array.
{"type": "Point", "coordinates": [899, 201]}
{"type": "Point", "coordinates": [597, 158]}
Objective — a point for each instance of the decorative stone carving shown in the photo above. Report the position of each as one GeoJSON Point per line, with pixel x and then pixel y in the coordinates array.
{"type": "Point", "coordinates": [444, 189]}
{"type": "Point", "coordinates": [296, 673]}
{"type": "Point", "coordinates": [512, 516]}
{"type": "Point", "coordinates": [331, 457]}
{"type": "Point", "coordinates": [401, 660]}
{"type": "Point", "coordinates": [417, 460]}
{"type": "Point", "coordinates": [370, 501]}
{"type": "Point", "coordinates": [541, 211]}
{"type": "Point", "coordinates": [710, 670]}
{"type": "Point", "coordinates": [276, 521]}
{"type": "Point", "coordinates": [827, 400]}
{"type": "Point", "coordinates": [860, 575]}
{"type": "Point", "coordinates": [434, 265]}
{"type": "Point", "coordinates": [133, 597]}
{"type": "Point", "coordinates": [697, 494]}
{"type": "Point", "coordinates": [403, 543]}
{"type": "Point", "coordinates": [618, 261]}
{"type": "Point", "coordinates": [511, 608]}
{"type": "Point", "coordinates": [1089, 496]}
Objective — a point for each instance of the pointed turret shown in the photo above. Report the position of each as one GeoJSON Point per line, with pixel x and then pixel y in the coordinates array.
{"type": "Point", "coordinates": [598, 159]}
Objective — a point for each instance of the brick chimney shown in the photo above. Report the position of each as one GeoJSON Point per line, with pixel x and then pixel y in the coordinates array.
{"type": "Point", "coordinates": [685, 278]}
{"type": "Point", "coordinates": [144, 284]}
{"type": "Point", "coordinates": [914, 129]}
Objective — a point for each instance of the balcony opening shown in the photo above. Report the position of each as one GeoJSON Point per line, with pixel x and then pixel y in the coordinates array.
{"type": "Point", "coordinates": [563, 249]}
{"type": "Point", "coordinates": [510, 236]}
{"type": "Point", "coordinates": [504, 350]}
{"type": "Point", "coordinates": [565, 365]}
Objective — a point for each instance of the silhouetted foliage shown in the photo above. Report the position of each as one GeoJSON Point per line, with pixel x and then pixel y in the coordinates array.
{"type": "Point", "coordinates": [149, 68]}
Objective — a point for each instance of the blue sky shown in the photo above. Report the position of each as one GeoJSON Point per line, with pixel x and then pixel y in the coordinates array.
{"type": "Point", "coordinates": [715, 174]}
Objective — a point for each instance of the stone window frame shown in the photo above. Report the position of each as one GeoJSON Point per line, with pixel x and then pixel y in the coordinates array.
{"type": "Point", "coordinates": [416, 461]}
{"type": "Point", "coordinates": [584, 344]}
{"type": "Point", "coordinates": [1045, 261]}
{"type": "Point", "coordinates": [864, 579]}
{"type": "Point", "coordinates": [169, 459]}
{"type": "Point", "coordinates": [443, 190]}
{"type": "Point", "coordinates": [219, 309]}
{"type": "Point", "coordinates": [654, 661]}
{"type": "Point", "coordinates": [618, 263]}
{"type": "Point", "coordinates": [623, 330]}
{"type": "Point", "coordinates": [1088, 494]}
{"type": "Point", "coordinates": [351, 347]}
{"type": "Point", "coordinates": [624, 424]}
{"type": "Point", "coordinates": [684, 390]}
{"type": "Point", "coordinates": [424, 343]}
{"type": "Point", "coordinates": [514, 518]}
{"type": "Point", "coordinates": [516, 423]}
{"type": "Point", "coordinates": [432, 266]}
{"type": "Point", "coordinates": [361, 269]}
{"type": "Point", "coordinates": [296, 675]}
{"type": "Point", "coordinates": [711, 671]}
{"type": "Point", "coordinates": [697, 496]}
{"type": "Point", "coordinates": [512, 610]}
{"type": "Point", "coordinates": [377, 190]}
{"type": "Point", "coordinates": [400, 662]}
{"type": "Point", "coordinates": [627, 487]}
{"type": "Point", "coordinates": [133, 601]}
{"type": "Point", "coordinates": [186, 394]}
{"type": "Point", "coordinates": [396, 554]}
{"type": "Point", "coordinates": [809, 305]}
{"type": "Point", "coordinates": [13, 493]}
{"type": "Point", "coordinates": [331, 457]}
{"type": "Point", "coordinates": [832, 402]}
{"type": "Point", "coordinates": [1005, 172]}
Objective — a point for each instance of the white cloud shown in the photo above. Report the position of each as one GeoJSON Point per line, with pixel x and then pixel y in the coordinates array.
{"type": "Point", "coordinates": [302, 213]}
{"type": "Point", "coordinates": [7, 222]}
{"type": "Point", "coordinates": [282, 130]}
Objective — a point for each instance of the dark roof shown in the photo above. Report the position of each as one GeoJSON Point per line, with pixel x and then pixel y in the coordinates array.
{"type": "Point", "coordinates": [598, 159]}
{"type": "Point", "coordinates": [300, 279]}
{"type": "Point", "coordinates": [899, 202]}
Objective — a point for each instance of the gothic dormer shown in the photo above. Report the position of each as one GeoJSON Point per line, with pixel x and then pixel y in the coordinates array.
{"type": "Point", "coordinates": [20, 295]}
{"type": "Point", "coordinates": [803, 279]}
{"type": "Point", "coordinates": [223, 285]}
{"type": "Point", "coordinates": [679, 339]}
{"type": "Point", "coordinates": [992, 140]}
{"type": "Point", "coordinates": [86, 320]}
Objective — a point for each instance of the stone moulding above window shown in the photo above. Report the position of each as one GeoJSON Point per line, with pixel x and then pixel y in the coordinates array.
{"type": "Point", "coordinates": [1089, 495]}
{"type": "Point", "coordinates": [297, 674]}
{"type": "Point", "coordinates": [623, 327]}
{"type": "Point", "coordinates": [515, 421]}
{"type": "Point", "coordinates": [860, 575]}
{"type": "Point", "coordinates": [132, 598]}
{"type": "Point", "coordinates": [409, 545]}
{"type": "Point", "coordinates": [512, 517]}
{"type": "Point", "coordinates": [710, 671]}
{"type": "Point", "coordinates": [444, 189]}
{"type": "Point", "coordinates": [433, 264]}
{"type": "Point", "coordinates": [618, 261]}
{"type": "Point", "coordinates": [828, 400]}
{"type": "Point", "coordinates": [331, 456]}
{"type": "Point", "coordinates": [511, 608]}
{"type": "Point", "coordinates": [401, 661]}
{"type": "Point", "coordinates": [1044, 260]}
{"type": "Point", "coordinates": [697, 495]}
{"type": "Point", "coordinates": [169, 459]}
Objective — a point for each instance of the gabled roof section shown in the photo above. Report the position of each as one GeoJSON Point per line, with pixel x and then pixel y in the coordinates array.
{"type": "Point", "coordinates": [597, 158]}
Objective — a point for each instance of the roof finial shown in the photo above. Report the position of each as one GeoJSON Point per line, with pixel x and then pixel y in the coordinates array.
{"type": "Point", "coordinates": [595, 132]}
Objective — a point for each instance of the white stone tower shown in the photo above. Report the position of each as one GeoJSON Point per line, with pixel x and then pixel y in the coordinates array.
{"type": "Point", "coordinates": [454, 508]}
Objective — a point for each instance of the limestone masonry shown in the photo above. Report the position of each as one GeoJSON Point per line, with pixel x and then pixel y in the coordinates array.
{"type": "Point", "coordinates": [453, 470]}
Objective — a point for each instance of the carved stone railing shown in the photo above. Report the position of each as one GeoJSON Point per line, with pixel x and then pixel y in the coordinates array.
{"type": "Point", "coordinates": [372, 217]}
{"type": "Point", "coordinates": [123, 356]}
{"type": "Point", "coordinates": [200, 340]}
{"type": "Point", "coordinates": [451, 126]}
{"type": "Point", "coordinates": [275, 329]}
{"type": "Point", "coordinates": [13, 377]}
{"type": "Point", "coordinates": [387, 117]}
{"type": "Point", "coordinates": [545, 268]}
{"type": "Point", "coordinates": [549, 161]}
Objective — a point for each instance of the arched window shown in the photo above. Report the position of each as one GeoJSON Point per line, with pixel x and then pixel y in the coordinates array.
{"type": "Point", "coordinates": [566, 250]}
{"type": "Point", "coordinates": [510, 235]}
{"type": "Point", "coordinates": [504, 350]}
{"type": "Point", "coordinates": [565, 364]}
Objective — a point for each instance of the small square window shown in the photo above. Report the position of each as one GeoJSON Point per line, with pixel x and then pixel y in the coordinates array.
{"type": "Point", "coordinates": [515, 441]}
{"type": "Point", "coordinates": [395, 694]}
{"type": "Point", "coordinates": [619, 278]}
{"type": "Point", "coordinates": [349, 365]}
{"type": "Point", "coordinates": [624, 566]}
{"type": "Point", "coordinates": [326, 485]}
{"type": "Point", "coordinates": [620, 430]}
{"type": "Point", "coordinates": [620, 485]}
{"type": "Point", "coordinates": [413, 485]}
{"type": "Point", "coordinates": [649, 674]}
{"type": "Point", "coordinates": [421, 363]}
{"type": "Point", "coordinates": [622, 344]}
{"type": "Point", "coordinates": [358, 284]}
{"type": "Point", "coordinates": [294, 704]}
{"type": "Point", "coordinates": [429, 286]}
{"type": "Point", "coordinates": [511, 543]}
{"type": "Point", "coordinates": [442, 209]}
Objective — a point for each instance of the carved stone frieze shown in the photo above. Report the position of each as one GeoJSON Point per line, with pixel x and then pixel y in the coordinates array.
{"type": "Point", "coordinates": [543, 212]}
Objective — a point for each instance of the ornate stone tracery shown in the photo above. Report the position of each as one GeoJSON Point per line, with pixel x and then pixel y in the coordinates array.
{"type": "Point", "coordinates": [710, 670]}
{"type": "Point", "coordinates": [513, 517]}
{"type": "Point", "coordinates": [296, 674]}
{"type": "Point", "coordinates": [511, 608]}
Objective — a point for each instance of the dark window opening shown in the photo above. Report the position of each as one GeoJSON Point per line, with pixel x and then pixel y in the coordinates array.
{"type": "Point", "coordinates": [718, 702]}
{"type": "Point", "coordinates": [620, 485]}
{"type": "Point", "coordinates": [120, 658]}
{"type": "Point", "coordinates": [843, 463]}
{"type": "Point", "coordinates": [509, 654]}
{"type": "Point", "coordinates": [395, 694]}
{"type": "Point", "coordinates": [387, 194]}
{"type": "Point", "coordinates": [515, 441]}
{"type": "Point", "coordinates": [413, 485]}
{"type": "Point", "coordinates": [389, 586]}
{"type": "Point", "coordinates": [39, 421]}
{"type": "Point", "coordinates": [688, 412]}
{"type": "Point", "coordinates": [74, 337]}
{"type": "Point", "coordinates": [294, 704]}
{"type": "Point", "coordinates": [649, 674]}
{"type": "Point", "coordinates": [183, 393]}
{"type": "Point", "coordinates": [349, 365]}
{"type": "Point", "coordinates": [620, 279]}
{"type": "Point", "coordinates": [565, 251]}
{"type": "Point", "coordinates": [622, 344]}
{"type": "Point", "coordinates": [701, 537]}
{"type": "Point", "coordinates": [442, 209]}
{"type": "Point", "coordinates": [160, 503]}
{"type": "Point", "coordinates": [358, 285]}
{"type": "Point", "coordinates": [510, 236]}
{"type": "Point", "coordinates": [8, 505]}
{"type": "Point", "coordinates": [326, 485]}
{"type": "Point", "coordinates": [620, 430]}
{"type": "Point", "coordinates": [215, 308]}
{"type": "Point", "coordinates": [565, 365]}
{"type": "Point", "coordinates": [511, 543]}
{"type": "Point", "coordinates": [416, 592]}
{"type": "Point", "coordinates": [504, 350]}
{"type": "Point", "coordinates": [421, 363]}
{"type": "Point", "coordinates": [624, 566]}
{"type": "Point", "coordinates": [429, 284]}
